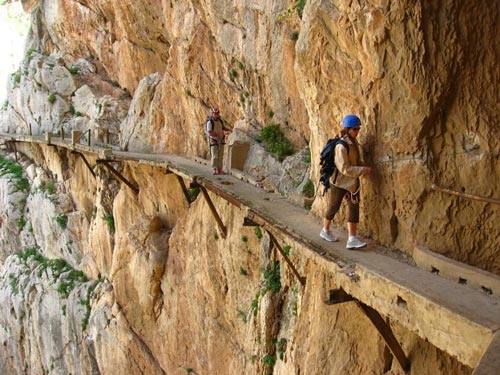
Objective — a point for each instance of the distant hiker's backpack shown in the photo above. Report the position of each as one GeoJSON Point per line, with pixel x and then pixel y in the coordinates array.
{"type": "Point", "coordinates": [327, 161]}
{"type": "Point", "coordinates": [209, 126]}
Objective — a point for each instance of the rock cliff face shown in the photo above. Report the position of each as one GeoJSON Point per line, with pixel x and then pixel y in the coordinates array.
{"type": "Point", "coordinates": [160, 291]}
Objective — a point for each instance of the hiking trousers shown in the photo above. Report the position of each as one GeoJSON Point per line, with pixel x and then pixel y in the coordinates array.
{"type": "Point", "coordinates": [335, 196]}
{"type": "Point", "coordinates": [217, 156]}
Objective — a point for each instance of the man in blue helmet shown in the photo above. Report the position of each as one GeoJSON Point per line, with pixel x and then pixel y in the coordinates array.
{"type": "Point", "coordinates": [346, 182]}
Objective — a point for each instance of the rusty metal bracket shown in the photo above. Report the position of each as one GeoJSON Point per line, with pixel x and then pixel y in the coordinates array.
{"type": "Point", "coordinates": [184, 188]}
{"type": "Point", "coordinates": [301, 279]}
{"type": "Point", "coordinates": [338, 296]}
{"type": "Point", "coordinates": [215, 214]}
{"type": "Point", "coordinates": [386, 332]}
{"type": "Point", "coordinates": [118, 175]}
{"type": "Point", "coordinates": [85, 161]}
{"type": "Point", "coordinates": [247, 222]}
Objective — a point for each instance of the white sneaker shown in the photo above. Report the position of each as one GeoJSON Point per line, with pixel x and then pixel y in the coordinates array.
{"type": "Point", "coordinates": [355, 244]}
{"type": "Point", "coordinates": [327, 235]}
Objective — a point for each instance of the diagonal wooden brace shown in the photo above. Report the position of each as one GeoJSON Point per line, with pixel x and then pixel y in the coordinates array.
{"type": "Point", "coordinates": [301, 279]}
{"type": "Point", "coordinates": [85, 161]}
{"type": "Point", "coordinates": [184, 188]}
{"type": "Point", "coordinates": [215, 214]}
{"type": "Point", "coordinates": [338, 296]}
{"type": "Point", "coordinates": [386, 332]}
{"type": "Point", "coordinates": [117, 174]}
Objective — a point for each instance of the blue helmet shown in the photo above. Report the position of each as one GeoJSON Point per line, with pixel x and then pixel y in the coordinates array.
{"type": "Point", "coordinates": [351, 121]}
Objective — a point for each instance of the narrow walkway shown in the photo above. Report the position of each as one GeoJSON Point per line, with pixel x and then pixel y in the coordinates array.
{"type": "Point", "coordinates": [455, 318]}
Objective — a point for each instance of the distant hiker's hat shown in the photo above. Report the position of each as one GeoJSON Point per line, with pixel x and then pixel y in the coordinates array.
{"type": "Point", "coordinates": [351, 121]}
{"type": "Point", "coordinates": [215, 110]}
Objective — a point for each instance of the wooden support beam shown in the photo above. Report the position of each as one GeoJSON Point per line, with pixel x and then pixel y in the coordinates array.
{"type": "Point", "coordinates": [386, 332]}
{"type": "Point", "coordinates": [117, 174]}
{"type": "Point", "coordinates": [217, 218]}
{"type": "Point", "coordinates": [184, 188]}
{"type": "Point", "coordinates": [85, 161]}
{"type": "Point", "coordinates": [301, 279]}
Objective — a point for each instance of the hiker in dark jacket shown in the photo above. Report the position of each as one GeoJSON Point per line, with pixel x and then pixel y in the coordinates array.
{"type": "Point", "coordinates": [215, 128]}
{"type": "Point", "coordinates": [346, 183]}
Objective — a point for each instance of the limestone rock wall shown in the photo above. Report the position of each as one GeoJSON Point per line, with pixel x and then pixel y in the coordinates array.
{"type": "Point", "coordinates": [173, 295]}
{"type": "Point", "coordinates": [421, 76]}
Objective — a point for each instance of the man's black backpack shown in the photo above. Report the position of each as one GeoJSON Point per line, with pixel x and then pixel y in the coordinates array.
{"type": "Point", "coordinates": [327, 161]}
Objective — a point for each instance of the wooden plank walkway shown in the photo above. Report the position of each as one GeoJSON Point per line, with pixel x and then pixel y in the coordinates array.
{"type": "Point", "coordinates": [455, 318]}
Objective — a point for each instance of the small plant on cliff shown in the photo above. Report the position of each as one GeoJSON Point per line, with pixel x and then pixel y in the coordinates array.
{"type": "Point", "coordinates": [21, 183]}
{"type": "Point", "coordinates": [13, 281]}
{"type": "Point", "coordinates": [269, 360]}
{"type": "Point", "coordinates": [51, 98]}
{"type": "Point", "coordinates": [74, 69]}
{"type": "Point", "coordinates": [294, 35]}
{"type": "Point", "coordinates": [275, 141]}
{"type": "Point", "coordinates": [21, 222]}
{"type": "Point", "coordinates": [86, 303]}
{"type": "Point", "coordinates": [258, 232]}
{"type": "Point", "coordinates": [287, 249]}
{"type": "Point", "coordinates": [110, 221]}
{"type": "Point", "coordinates": [62, 220]}
{"type": "Point", "coordinates": [48, 187]}
{"type": "Point", "coordinates": [280, 348]}
{"type": "Point", "coordinates": [193, 193]}
{"type": "Point", "coordinates": [293, 5]}
{"type": "Point", "coordinates": [29, 54]}
{"type": "Point", "coordinates": [308, 189]}
{"type": "Point", "coordinates": [272, 280]}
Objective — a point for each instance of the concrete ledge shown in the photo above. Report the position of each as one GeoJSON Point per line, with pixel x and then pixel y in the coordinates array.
{"type": "Point", "coordinates": [490, 361]}
{"type": "Point", "coordinates": [456, 271]}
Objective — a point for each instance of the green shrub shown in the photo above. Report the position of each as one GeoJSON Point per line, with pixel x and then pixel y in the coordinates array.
{"type": "Point", "coordinates": [110, 221]}
{"type": "Point", "coordinates": [62, 220]}
{"type": "Point", "coordinates": [275, 141]}
{"type": "Point", "coordinates": [48, 187]}
{"type": "Point", "coordinates": [287, 249]}
{"type": "Point", "coordinates": [21, 222]}
{"type": "Point", "coordinates": [11, 167]}
{"type": "Point", "coordinates": [269, 360]}
{"type": "Point", "coordinates": [258, 232]}
{"type": "Point", "coordinates": [52, 98]}
{"type": "Point", "coordinates": [272, 280]}
{"type": "Point", "coordinates": [308, 189]}
{"type": "Point", "coordinates": [193, 193]}
{"type": "Point", "coordinates": [294, 35]}
{"type": "Point", "coordinates": [280, 347]}
{"type": "Point", "coordinates": [300, 7]}
{"type": "Point", "coordinates": [74, 69]}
